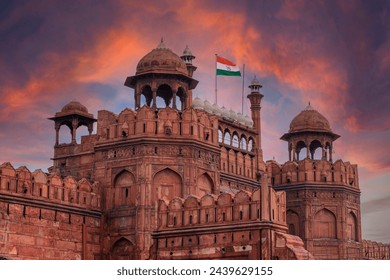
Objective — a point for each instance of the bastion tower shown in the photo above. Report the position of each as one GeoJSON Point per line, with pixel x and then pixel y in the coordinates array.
{"type": "Point", "coordinates": [179, 178]}
{"type": "Point", "coordinates": [323, 196]}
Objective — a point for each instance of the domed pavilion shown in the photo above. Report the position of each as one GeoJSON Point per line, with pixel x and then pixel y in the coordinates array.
{"type": "Point", "coordinates": [73, 115]}
{"type": "Point", "coordinates": [163, 74]}
{"type": "Point", "coordinates": [310, 130]}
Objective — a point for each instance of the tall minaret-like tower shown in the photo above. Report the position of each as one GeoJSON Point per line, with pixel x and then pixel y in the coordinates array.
{"type": "Point", "coordinates": [255, 98]}
{"type": "Point", "coordinates": [187, 57]}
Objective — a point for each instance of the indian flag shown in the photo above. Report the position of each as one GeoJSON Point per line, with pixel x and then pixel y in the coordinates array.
{"type": "Point", "coordinates": [226, 67]}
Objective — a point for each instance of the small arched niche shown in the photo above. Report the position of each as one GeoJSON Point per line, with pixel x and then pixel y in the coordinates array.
{"type": "Point", "coordinates": [125, 191]}
{"type": "Point", "coordinates": [123, 249]}
{"type": "Point", "coordinates": [205, 185]}
{"type": "Point", "coordinates": [167, 184]}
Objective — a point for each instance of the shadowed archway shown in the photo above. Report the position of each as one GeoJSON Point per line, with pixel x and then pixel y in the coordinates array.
{"type": "Point", "coordinates": [123, 249]}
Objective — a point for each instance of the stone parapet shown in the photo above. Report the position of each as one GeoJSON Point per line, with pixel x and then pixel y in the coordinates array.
{"type": "Point", "coordinates": [373, 250]}
{"type": "Point", "coordinates": [38, 187]}
{"type": "Point", "coordinates": [313, 171]}
{"type": "Point", "coordinates": [222, 209]}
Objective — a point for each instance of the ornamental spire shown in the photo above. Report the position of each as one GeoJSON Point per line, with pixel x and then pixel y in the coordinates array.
{"type": "Point", "coordinates": [161, 45]}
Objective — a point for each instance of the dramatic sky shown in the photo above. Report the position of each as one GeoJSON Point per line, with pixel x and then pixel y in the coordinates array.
{"type": "Point", "coordinates": [335, 54]}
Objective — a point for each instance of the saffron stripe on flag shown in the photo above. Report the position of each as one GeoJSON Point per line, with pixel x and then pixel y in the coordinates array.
{"type": "Point", "coordinates": [225, 61]}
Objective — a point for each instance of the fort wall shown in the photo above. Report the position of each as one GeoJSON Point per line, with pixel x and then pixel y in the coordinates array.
{"type": "Point", "coordinates": [373, 250]}
{"type": "Point", "coordinates": [43, 216]}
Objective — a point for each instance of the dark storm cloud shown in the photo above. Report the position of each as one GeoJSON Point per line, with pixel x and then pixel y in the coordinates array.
{"type": "Point", "coordinates": [353, 35]}
{"type": "Point", "coordinates": [33, 29]}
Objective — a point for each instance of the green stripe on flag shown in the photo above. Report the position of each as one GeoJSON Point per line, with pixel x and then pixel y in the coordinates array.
{"type": "Point", "coordinates": [228, 73]}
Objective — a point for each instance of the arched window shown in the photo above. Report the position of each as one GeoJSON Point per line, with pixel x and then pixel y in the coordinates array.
{"type": "Point", "coordinates": [250, 144]}
{"type": "Point", "coordinates": [299, 147]}
{"type": "Point", "coordinates": [65, 135]}
{"type": "Point", "coordinates": [316, 149]}
{"type": "Point", "coordinates": [235, 141]}
{"type": "Point", "coordinates": [220, 136]}
{"type": "Point", "coordinates": [243, 144]}
{"type": "Point", "coordinates": [164, 96]}
{"type": "Point", "coordinates": [325, 224]}
{"type": "Point", "coordinates": [226, 138]}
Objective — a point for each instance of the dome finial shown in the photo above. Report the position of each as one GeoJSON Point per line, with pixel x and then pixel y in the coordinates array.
{"type": "Point", "coordinates": [309, 107]}
{"type": "Point", "coordinates": [255, 85]}
{"type": "Point", "coordinates": [161, 45]}
{"type": "Point", "coordinates": [187, 55]}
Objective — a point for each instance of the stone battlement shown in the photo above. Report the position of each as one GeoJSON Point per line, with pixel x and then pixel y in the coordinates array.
{"type": "Point", "coordinates": [313, 171]}
{"type": "Point", "coordinates": [166, 122]}
{"type": "Point", "coordinates": [375, 250]}
{"type": "Point", "coordinates": [222, 209]}
{"type": "Point", "coordinates": [40, 187]}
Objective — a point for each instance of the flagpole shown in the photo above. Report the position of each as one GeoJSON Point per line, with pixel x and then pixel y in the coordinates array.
{"type": "Point", "coordinates": [216, 96]}
{"type": "Point", "coordinates": [243, 81]}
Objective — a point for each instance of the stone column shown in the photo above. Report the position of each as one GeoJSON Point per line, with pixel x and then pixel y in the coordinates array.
{"type": "Point", "coordinates": [154, 98]}
{"type": "Point", "coordinates": [307, 151]}
{"type": "Point", "coordinates": [74, 128]}
{"type": "Point", "coordinates": [184, 101]}
{"type": "Point", "coordinates": [174, 99]}
{"type": "Point", "coordinates": [137, 100]}
{"type": "Point", "coordinates": [323, 154]}
{"type": "Point", "coordinates": [265, 198]}
{"type": "Point", "coordinates": [57, 128]}
{"type": "Point", "coordinates": [90, 128]}
{"type": "Point", "coordinates": [289, 153]}
{"type": "Point", "coordinates": [330, 152]}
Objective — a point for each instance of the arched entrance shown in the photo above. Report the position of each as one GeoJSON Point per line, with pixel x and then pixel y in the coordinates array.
{"type": "Point", "coordinates": [123, 249]}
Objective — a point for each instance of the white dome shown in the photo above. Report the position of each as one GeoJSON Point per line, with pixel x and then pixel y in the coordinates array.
{"type": "Point", "coordinates": [207, 107]}
{"type": "Point", "coordinates": [216, 110]}
{"type": "Point", "coordinates": [197, 103]}
{"type": "Point", "coordinates": [233, 115]}
{"type": "Point", "coordinates": [248, 121]}
{"type": "Point", "coordinates": [225, 112]}
{"type": "Point", "coordinates": [241, 118]}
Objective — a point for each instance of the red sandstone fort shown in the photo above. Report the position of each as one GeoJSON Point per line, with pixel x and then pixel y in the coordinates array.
{"type": "Point", "coordinates": [179, 178]}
